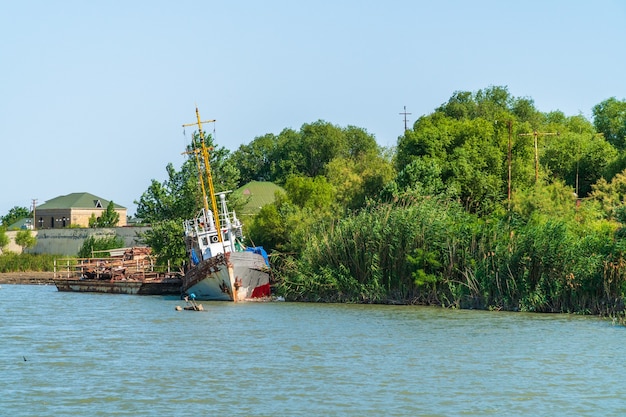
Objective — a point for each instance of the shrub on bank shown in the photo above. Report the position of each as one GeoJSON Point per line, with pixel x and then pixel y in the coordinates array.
{"type": "Point", "coordinates": [26, 262]}
{"type": "Point", "coordinates": [433, 252]}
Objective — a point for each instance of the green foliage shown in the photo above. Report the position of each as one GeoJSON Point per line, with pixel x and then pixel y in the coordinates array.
{"type": "Point", "coordinates": [4, 239]}
{"type": "Point", "coordinates": [364, 257]}
{"type": "Point", "coordinates": [166, 240]}
{"type": "Point", "coordinates": [283, 226]}
{"type": "Point", "coordinates": [610, 195]}
{"type": "Point", "coordinates": [312, 193]}
{"type": "Point", "coordinates": [268, 229]}
{"type": "Point", "coordinates": [558, 266]}
{"type": "Point", "coordinates": [25, 239]}
{"type": "Point", "coordinates": [180, 196]}
{"type": "Point", "coordinates": [432, 223]}
{"type": "Point", "coordinates": [577, 155]}
{"type": "Point", "coordinates": [15, 214]}
{"type": "Point", "coordinates": [359, 179]}
{"type": "Point", "coordinates": [93, 244]}
{"type": "Point", "coordinates": [26, 262]}
{"type": "Point", "coordinates": [301, 153]}
{"type": "Point", "coordinates": [109, 218]}
{"type": "Point", "coordinates": [425, 265]}
{"type": "Point", "coordinates": [256, 160]}
{"type": "Point", "coordinates": [426, 252]}
{"type": "Point", "coordinates": [556, 200]}
{"type": "Point", "coordinates": [470, 155]}
{"type": "Point", "coordinates": [609, 118]}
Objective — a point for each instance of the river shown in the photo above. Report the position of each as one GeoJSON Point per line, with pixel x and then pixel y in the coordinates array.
{"type": "Point", "coordinates": [65, 354]}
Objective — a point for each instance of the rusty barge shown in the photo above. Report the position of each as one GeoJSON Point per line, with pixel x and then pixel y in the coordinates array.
{"type": "Point", "coordinates": [123, 271]}
{"type": "Point", "coordinates": [221, 267]}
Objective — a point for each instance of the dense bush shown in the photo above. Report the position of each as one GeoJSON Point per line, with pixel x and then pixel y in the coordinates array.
{"type": "Point", "coordinates": [431, 252]}
{"type": "Point", "coordinates": [93, 244]}
{"type": "Point", "coordinates": [13, 262]}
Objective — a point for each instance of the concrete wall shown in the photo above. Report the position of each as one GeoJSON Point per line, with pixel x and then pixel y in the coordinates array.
{"type": "Point", "coordinates": [68, 241]}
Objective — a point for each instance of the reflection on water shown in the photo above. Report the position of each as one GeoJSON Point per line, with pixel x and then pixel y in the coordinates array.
{"type": "Point", "coordinates": [129, 355]}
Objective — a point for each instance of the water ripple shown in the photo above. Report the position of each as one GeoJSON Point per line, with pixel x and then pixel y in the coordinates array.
{"type": "Point", "coordinates": [127, 356]}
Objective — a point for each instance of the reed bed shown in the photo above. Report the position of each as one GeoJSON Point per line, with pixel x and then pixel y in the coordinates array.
{"type": "Point", "coordinates": [429, 251]}
{"type": "Point", "coordinates": [25, 262]}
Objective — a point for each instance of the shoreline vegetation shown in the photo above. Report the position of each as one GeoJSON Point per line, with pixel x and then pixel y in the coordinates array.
{"type": "Point", "coordinates": [486, 203]}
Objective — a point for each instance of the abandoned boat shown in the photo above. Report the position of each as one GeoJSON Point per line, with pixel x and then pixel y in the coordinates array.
{"type": "Point", "coordinates": [220, 266]}
{"type": "Point", "coordinates": [124, 271]}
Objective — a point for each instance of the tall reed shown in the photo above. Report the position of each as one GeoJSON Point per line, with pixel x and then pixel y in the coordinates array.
{"type": "Point", "coordinates": [433, 252]}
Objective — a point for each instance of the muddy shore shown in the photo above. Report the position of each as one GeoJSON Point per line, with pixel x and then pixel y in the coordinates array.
{"type": "Point", "coordinates": [26, 277]}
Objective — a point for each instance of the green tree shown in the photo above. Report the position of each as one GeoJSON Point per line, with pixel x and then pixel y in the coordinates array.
{"type": "Point", "coordinates": [611, 195]}
{"type": "Point", "coordinates": [285, 225]}
{"type": "Point", "coordinates": [15, 214]}
{"type": "Point", "coordinates": [93, 244]}
{"type": "Point", "coordinates": [176, 198]}
{"type": "Point", "coordinates": [359, 142]}
{"type": "Point", "coordinates": [268, 228]}
{"type": "Point", "coordinates": [471, 154]}
{"type": "Point", "coordinates": [109, 218]}
{"type": "Point", "coordinates": [421, 177]}
{"type": "Point", "coordinates": [313, 193]}
{"type": "Point", "coordinates": [256, 161]}
{"type": "Point", "coordinates": [4, 239]}
{"type": "Point", "coordinates": [180, 196]}
{"type": "Point", "coordinates": [320, 142]}
{"type": "Point", "coordinates": [25, 239]}
{"type": "Point", "coordinates": [360, 178]}
{"type": "Point", "coordinates": [580, 159]}
{"type": "Point", "coordinates": [555, 200]}
{"type": "Point", "coordinates": [609, 118]}
{"type": "Point", "coordinates": [165, 239]}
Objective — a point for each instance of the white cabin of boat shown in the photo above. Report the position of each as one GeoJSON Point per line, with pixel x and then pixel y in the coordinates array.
{"type": "Point", "coordinates": [203, 240]}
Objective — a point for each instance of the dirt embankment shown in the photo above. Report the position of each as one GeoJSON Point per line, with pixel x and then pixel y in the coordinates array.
{"type": "Point", "coordinates": [26, 277]}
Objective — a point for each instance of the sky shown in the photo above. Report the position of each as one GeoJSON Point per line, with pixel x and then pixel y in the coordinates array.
{"type": "Point", "coordinates": [93, 94]}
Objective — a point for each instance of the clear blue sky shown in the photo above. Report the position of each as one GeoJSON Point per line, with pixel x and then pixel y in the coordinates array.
{"type": "Point", "coordinates": [93, 93]}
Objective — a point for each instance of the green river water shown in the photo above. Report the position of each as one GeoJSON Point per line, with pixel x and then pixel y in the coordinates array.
{"type": "Point", "coordinates": [117, 355]}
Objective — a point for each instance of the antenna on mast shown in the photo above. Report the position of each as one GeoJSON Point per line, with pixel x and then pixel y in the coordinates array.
{"type": "Point", "coordinates": [209, 179]}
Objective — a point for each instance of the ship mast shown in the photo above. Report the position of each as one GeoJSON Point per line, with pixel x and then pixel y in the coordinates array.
{"type": "Point", "coordinates": [209, 179]}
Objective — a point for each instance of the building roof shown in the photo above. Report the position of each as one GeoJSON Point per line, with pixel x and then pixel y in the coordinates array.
{"type": "Point", "coordinates": [21, 224]}
{"type": "Point", "coordinates": [78, 201]}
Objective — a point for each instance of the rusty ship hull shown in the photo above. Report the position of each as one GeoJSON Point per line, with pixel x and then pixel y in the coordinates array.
{"type": "Point", "coordinates": [169, 286]}
{"type": "Point", "coordinates": [124, 271]}
{"type": "Point", "coordinates": [230, 276]}
{"type": "Point", "coordinates": [220, 265]}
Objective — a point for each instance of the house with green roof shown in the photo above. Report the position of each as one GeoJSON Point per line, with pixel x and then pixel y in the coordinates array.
{"type": "Point", "coordinates": [74, 210]}
{"type": "Point", "coordinates": [25, 223]}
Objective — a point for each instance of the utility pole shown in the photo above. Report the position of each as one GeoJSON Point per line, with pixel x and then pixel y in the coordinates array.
{"type": "Point", "coordinates": [34, 216]}
{"type": "Point", "coordinates": [578, 160]}
{"type": "Point", "coordinates": [535, 135]}
{"type": "Point", "coordinates": [404, 113]}
{"type": "Point", "coordinates": [510, 126]}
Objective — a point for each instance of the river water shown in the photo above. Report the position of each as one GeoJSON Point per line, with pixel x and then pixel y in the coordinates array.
{"type": "Point", "coordinates": [117, 355]}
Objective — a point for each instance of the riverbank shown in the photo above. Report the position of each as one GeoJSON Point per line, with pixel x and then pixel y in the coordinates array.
{"type": "Point", "coordinates": [26, 277]}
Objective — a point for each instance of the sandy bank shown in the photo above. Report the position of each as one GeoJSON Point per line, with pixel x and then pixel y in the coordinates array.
{"type": "Point", "coordinates": [26, 277]}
